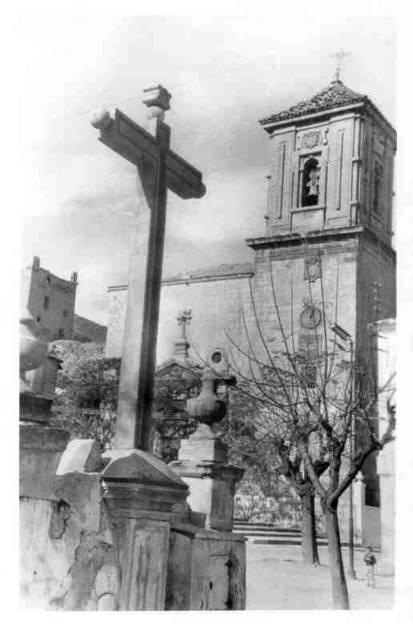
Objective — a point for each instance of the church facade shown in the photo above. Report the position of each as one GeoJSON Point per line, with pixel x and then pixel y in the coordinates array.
{"type": "Point", "coordinates": [326, 256]}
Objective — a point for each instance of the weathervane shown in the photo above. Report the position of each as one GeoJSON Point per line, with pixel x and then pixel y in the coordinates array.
{"type": "Point", "coordinates": [340, 55]}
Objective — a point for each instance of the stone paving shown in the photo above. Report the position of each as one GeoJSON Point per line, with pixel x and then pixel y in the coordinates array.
{"type": "Point", "coordinates": [277, 579]}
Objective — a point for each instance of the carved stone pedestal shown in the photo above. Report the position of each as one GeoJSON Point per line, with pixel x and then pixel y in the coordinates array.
{"type": "Point", "coordinates": [141, 492]}
{"type": "Point", "coordinates": [41, 447]}
{"type": "Point", "coordinates": [202, 465]}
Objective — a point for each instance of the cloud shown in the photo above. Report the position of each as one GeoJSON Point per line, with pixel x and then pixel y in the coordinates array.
{"type": "Point", "coordinates": [225, 73]}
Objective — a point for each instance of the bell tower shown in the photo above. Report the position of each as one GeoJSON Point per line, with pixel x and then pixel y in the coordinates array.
{"type": "Point", "coordinates": [328, 226]}
{"type": "Point", "coordinates": [329, 206]}
{"type": "Point", "coordinates": [331, 165]}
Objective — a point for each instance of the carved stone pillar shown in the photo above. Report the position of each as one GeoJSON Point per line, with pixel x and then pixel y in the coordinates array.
{"type": "Point", "coordinates": [141, 493]}
{"type": "Point", "coordinates": [202, 460]}
{"type": "Point", "coordinates": [206, 568]}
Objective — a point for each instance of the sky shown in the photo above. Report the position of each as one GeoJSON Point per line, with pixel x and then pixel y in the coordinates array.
{"type": "Point", "coordinates": [224, 71]}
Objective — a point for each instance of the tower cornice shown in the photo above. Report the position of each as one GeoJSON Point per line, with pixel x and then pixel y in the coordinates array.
{"type": "Point", "coordinates": [295, 239]}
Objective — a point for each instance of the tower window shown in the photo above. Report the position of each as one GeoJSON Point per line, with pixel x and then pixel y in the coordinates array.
{"type": "Point", "coordinates": [46, 302]}
{"type": "Point", "coordinates": [377, 186]}
{"type": "Point", "coordinates": [65, 313]}
{"type": "Point", "coordinates": [310, 183]}
{"type": "Point", "coordinates": [61, 333]}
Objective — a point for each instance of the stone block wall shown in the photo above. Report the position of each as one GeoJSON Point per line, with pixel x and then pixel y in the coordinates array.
{"type": "Point", "coordinates": [280, 281]}
{"type": "Point", "coordinates": [66, 547]}
{"type": "Point", "coordinates": [206, 570]}
{"type": "Point", "coordinates": [78, 554]}
{"type": "Point", "coordinates": [216, 308]}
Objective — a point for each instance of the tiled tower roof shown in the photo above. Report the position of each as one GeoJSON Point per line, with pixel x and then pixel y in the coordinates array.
{"type": "Point", "coordinates": [333, 96]}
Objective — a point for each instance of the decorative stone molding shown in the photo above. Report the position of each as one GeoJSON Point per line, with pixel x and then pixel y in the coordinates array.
{"type": "Point", "coordinates": [141, 493]}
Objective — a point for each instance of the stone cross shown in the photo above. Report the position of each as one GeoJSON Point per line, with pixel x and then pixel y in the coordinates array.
{"type": "Point", "coordinates": [159, 169]}
{"type": "Point", "coordinates": [184, 318]}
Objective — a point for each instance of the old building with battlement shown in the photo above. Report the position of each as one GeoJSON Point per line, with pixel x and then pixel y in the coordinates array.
{"type": "Point", "coordinates": [51, 301]}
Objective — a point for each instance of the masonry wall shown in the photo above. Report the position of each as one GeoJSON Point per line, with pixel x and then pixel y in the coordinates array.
{"type": "Point", "coordinates": [216, 314]}
{"type": "Point", "coordinates": [85, 330]}
{"type": "Point", "coordinates": [216, 310]}
{"type": "Point", "coordinates": [280, 279]}
{"type": "Point", "coordinates": [67, 554]}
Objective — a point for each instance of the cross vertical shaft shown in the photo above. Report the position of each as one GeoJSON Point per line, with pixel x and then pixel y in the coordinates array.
{"type": "Point", "coordinates": [159, 169]}
{"type": "Point", "coordinates": [152, 294]}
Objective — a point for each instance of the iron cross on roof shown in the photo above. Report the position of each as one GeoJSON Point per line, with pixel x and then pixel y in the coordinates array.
{"type": "Point", "coordinates": [160, 169]}
{"type": "Point", "coordinates": [340, 55]}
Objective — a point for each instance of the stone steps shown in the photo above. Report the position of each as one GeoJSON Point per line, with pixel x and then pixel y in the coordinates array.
{"type": "Point", "coordinates": [265, 533]}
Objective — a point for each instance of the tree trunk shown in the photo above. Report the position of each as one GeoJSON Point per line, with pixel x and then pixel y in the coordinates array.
{"type": "Point", "coordinates": [308, 529]}
{"type": "Point", "coordinates": [338, 579]}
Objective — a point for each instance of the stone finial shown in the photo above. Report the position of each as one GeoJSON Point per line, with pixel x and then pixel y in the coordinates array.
{"type": "Point", "coordinates": [181, 345]}
{"type": "Point", "coordinates": [36, 263]}
{"type": "Point", "coordinates": [157, 100]}
{"type": "Point", "coordinates": [100, 119]}
{"type": "Point", "coordinates": [33, 350]}
{"type": "Point", "coordinates": [217, 360]}
{"type": "Point", "coordinates": [184, 318]}
{"type": "Point", "coordinates": [74, 277]}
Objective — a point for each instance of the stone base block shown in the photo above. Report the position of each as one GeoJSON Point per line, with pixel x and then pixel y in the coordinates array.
{"type": "Point", "coordinates": [40, 450]}
{"type": "Point", "coordinates": [206, 570]}
{"type": "Point", "coordinates": [211, 490]}
{"type": "Point", "coordinates": [35, 407]}
{"type": "Point", "coordinates": [203, 445]}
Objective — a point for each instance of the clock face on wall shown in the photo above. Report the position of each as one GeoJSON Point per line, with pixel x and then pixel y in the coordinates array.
{"type": "Point", "coordinates": [310, 317]}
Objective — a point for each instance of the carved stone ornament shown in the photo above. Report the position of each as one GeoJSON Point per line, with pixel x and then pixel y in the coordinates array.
{"type": "Point", "coordinates": [207, 408]}
{"type": "Point", "coordinates": [312, 268]}
{"type": "Point", "coordinates": [311, 139]}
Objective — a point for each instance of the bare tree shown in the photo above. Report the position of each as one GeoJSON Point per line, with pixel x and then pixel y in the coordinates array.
{"type": "Point", "coordinates": [316, 408]}
{"type": "Point", "coordinates": [261, 448]}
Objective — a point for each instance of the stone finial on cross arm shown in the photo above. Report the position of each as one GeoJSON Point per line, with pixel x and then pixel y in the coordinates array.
{"type": "Point", "coordinates": [184, 318]}
{"type": "Point", "coordinates": [157, 100]}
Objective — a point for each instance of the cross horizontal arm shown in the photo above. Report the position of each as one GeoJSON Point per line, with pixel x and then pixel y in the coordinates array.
{"type": "Point", "coordinates": [135, 144]}
{"type": "Point", "coordinates": [182, 178]}
{"type": "Point", "coordinates": [129, 139]}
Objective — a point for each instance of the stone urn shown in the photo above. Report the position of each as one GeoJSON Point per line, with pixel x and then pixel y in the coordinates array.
{"type": "Point", "coordinates": [202, 459]}
{"type": "Point", "coordinates": [207, 408]}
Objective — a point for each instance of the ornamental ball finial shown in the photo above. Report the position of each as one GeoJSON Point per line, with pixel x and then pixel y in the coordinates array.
{"type": "Point", "coordinates": [100, 118]}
